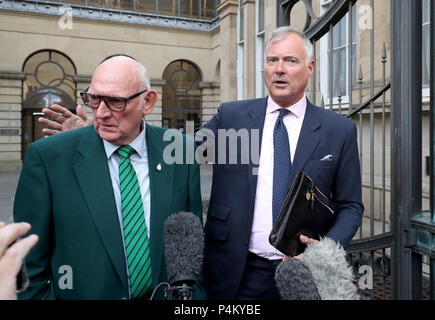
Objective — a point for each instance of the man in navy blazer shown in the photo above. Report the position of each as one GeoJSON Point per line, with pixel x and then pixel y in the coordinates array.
{"type": "Point", "coordinates": [239, 263]}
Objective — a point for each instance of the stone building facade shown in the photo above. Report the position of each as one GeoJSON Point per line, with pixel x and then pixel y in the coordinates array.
{"type": "Point", "coordinates": [49, 51]}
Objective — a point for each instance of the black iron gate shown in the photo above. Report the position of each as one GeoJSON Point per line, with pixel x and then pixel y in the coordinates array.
{"type": "Point", "coordinates": [394, 251]}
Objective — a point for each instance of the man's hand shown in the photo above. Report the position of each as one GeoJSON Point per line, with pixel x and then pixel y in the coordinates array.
{"type": "Point", "coordinates": [307, 241]}
{"type": "Point", "coordinates": [11, 258]}
{"type": "Point", "coordinates": [63, 120]}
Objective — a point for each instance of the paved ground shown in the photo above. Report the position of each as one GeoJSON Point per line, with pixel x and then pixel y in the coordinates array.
{"type": "Point", "coordinates": [9, 181]}
{"type": "Point", "coordinates": [8, 184]}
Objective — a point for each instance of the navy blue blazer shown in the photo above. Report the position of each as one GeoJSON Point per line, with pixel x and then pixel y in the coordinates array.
{"type": "Point", "coordinates": [230, 214]}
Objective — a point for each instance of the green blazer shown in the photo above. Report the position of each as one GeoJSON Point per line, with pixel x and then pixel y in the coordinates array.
{"type": "Point", "coordinates": [65, 192]}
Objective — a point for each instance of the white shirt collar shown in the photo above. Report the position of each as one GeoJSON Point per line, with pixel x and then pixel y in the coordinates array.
{"type": "Point", "coordinates": [298, 109]}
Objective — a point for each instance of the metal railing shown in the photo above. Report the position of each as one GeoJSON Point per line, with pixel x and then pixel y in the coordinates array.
{"type": "Point", "coordinates": [397, 238]}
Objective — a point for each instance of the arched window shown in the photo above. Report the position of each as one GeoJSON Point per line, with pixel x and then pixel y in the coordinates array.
{"type": "Point", "coordinates": [181, 95]}
{"type": "Point", "coordinates": [49, 79]}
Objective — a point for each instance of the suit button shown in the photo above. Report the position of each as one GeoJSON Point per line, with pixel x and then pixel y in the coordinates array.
{"type": "Point", "coordinates": [247, 242]}
{"type": "Point", "coordinates": [123, 298]}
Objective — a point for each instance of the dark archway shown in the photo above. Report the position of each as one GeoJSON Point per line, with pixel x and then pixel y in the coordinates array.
{"type": "Point", "coordinates": [182, 96]}
{"type": "Point", "coordinates": [49, 79]}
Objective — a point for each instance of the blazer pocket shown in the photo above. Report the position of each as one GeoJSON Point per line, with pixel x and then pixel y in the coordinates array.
{"type": "Point", "coordinates": [314, 164]}
{"type": "Point", "coordinates": [216, 225]}
{"type": "Point", "coordinates": [322, 173]}
{"type": "Point", "coordinates": [219, 212]}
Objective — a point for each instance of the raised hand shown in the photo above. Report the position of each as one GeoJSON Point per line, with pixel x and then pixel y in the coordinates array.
{"type": "Point", "coordinates": [61, 119]}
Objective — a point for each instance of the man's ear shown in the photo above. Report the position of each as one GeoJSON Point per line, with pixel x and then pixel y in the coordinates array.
{"type": "Point", "coordinates": [310, 68]}
{"type": "Point", "coordinates": [150, 98]}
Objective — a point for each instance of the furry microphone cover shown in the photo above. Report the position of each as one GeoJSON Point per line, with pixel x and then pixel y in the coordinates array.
{"type": "Point", "coordinates": [184, 240]}
{"type": "Point", "coordinates": [294, 281]}
{"type": "Point", "coordinates": [331, 272]}
{"type": "Point", "coordinates": [323, 274]}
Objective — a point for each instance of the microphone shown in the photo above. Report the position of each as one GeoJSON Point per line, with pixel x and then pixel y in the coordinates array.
{"type": "Point", "coordinates": [331, 272]}
{"type": "Point", "coordinates": [184, 244]}
{"type": "Point", "coordinates": [323, 274]}
{"type": "Point", "coordinates": [294, 281]}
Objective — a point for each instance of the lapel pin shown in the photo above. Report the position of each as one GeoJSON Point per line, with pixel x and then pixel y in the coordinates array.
{"type": "Point", "coordinates": [159, 167]}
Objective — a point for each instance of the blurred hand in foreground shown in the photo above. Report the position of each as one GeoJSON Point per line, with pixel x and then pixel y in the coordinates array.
{"type": "Point", "coordinates": [12, 256]}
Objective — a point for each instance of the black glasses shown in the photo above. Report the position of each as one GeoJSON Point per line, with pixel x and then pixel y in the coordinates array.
{"type": "Point", "coordinates": [113, 103]}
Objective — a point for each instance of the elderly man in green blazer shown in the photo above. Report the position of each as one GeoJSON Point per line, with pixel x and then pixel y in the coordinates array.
{"type": "Point", "coordinates": [98, 196]}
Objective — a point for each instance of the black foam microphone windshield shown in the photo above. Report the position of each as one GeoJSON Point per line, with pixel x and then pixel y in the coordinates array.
{"type": "Point", "coordinates": [184, 244]}
{"type": "Point", "coordinates": [294, 281]}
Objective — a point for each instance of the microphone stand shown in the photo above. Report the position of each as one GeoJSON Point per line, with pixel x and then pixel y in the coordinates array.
{"type": "Point", "coordinates": [181, 286]}
{"type": "Point", "coordinates": [182, 292]}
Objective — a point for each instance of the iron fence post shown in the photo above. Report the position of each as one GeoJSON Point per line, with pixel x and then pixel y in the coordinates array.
{"type": "Point", "coordinates": [432, 138]}
{"type": "Point", "coordinates": [406, 135]}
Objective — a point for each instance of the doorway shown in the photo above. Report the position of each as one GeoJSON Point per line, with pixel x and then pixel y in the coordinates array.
{"type": "Point", "coordinates": [49, 80]}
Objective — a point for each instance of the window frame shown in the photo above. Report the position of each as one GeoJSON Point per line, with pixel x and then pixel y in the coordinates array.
{"type": "Point", "coordinates": [259, 51]}
{"type": "Point", "coordinates": [426, 91]}
{"type": "Point", "coordinates": [324, 63]}
{"type": "Point", "coordinates": [240, 60]}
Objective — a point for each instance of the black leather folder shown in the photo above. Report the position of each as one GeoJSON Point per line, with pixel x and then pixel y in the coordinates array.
{"type": "Point", "coordinates": [306, 210]}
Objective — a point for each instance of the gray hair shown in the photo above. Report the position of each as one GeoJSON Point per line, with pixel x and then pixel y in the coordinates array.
{"type": "Point", "coordinates": [282, 32]}
{"type": "Point", "coordinates": [144, 76]}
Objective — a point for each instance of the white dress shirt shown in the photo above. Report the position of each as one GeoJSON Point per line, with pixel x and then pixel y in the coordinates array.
{"type": "Point", "coordinates": [262, 222]}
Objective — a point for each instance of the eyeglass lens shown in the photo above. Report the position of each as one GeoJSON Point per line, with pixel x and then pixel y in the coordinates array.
{"type": "Point", "coordinates": [94, 101]}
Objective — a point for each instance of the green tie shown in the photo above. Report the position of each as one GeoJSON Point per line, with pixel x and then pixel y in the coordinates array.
{"type": "Point", "coordinates": [135, 231]}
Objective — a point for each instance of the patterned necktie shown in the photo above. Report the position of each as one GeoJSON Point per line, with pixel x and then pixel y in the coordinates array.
{"type": "Point", "coordinates": [135, 231]}
{"type": "Point", "coordinates": [281, 164]}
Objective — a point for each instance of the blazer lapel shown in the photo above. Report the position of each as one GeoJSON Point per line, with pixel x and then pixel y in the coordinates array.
{"type": "Point", "coordinates": [161, 182]}
{"type": "Point", "coordinates": [256, 118]}
{"type": "Point", "coordinates": [94, 178]}
{"type": "Point", "coordinates": [308, 139]}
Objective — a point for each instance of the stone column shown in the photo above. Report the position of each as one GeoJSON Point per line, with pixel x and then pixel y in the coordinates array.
{"type": "Point", "coordinates": [249, 49]}
{"type": "Point", "coordinates": [227, 10]}
{"type": "Point", "coordinates": [270, 22]}
{"type": "Point", "coordinates": [210, 100]}
{"type": "Point", "coordinates": [10, 121]}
